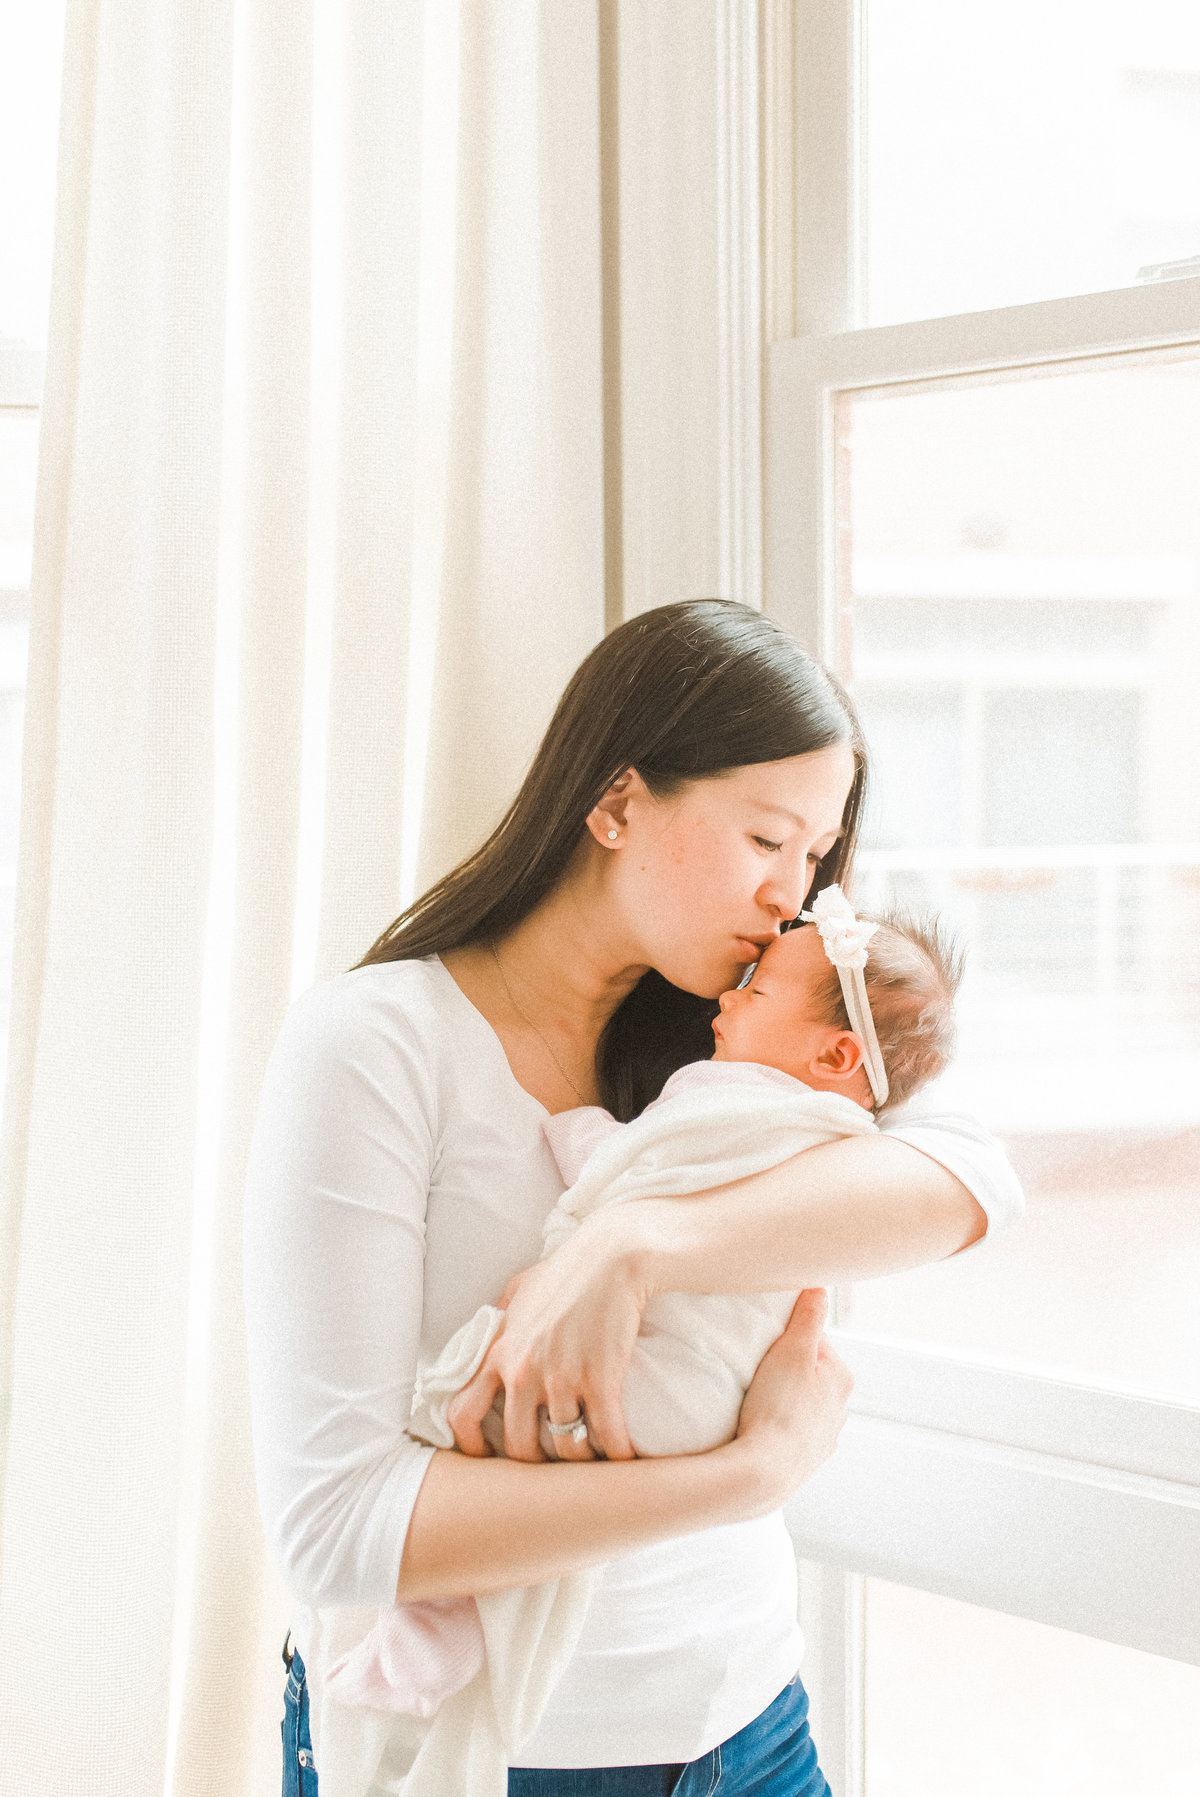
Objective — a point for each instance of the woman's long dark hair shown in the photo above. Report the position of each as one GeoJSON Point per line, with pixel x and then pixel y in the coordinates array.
{"type": "Point", "coordinates": [680, 693]}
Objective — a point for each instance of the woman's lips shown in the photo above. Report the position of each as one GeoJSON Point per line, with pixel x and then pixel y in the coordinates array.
{"type": "Point", "coordinates": [748, 949]}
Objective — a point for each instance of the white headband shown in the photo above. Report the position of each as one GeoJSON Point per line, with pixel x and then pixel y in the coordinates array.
{"type": "Point", "coordinates": [845, 939]}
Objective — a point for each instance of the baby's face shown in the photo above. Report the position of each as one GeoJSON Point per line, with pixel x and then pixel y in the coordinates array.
{"type": "Point", "coordinates": [776, 1019]}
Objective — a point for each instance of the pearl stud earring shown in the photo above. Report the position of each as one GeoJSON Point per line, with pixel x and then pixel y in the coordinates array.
{"type": "Point", "coordinates": [612, 836]}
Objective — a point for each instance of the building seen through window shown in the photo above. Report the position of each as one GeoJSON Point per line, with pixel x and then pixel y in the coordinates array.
{"type": "Point", "coordinates": [1023, 638]}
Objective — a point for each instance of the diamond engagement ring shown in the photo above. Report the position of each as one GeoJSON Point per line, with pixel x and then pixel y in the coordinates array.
{"type": "Point", "coordinates": [575, 1431]}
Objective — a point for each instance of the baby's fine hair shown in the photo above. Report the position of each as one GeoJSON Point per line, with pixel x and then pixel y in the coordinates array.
{"type": "Point", "coordinates": [914, 968]}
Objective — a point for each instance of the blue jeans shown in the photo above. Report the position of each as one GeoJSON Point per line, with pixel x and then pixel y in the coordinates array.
{"type": "Point", "coordinates": [773, 1756]}
{"type": "Point", "coordinates": [299, 1770]}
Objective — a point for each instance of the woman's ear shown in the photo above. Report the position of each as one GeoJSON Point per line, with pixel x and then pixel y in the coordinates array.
{"type": "Point", "coordinates": [609, 821]}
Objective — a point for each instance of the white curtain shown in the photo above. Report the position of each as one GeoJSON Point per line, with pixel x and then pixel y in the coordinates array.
{"type": "Point", "coordinates": [320, 535]}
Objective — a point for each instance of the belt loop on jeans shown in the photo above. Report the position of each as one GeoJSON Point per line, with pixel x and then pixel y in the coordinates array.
{"type": "Point", "coordinates": [289, 1651]}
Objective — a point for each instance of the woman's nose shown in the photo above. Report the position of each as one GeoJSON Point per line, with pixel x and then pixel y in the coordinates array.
{"type": "Point", "coordinates": [786, 890]}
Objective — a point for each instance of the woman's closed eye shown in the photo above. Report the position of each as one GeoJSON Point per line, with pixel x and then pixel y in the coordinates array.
{"type": "Point", "coordinates": [764, 842]}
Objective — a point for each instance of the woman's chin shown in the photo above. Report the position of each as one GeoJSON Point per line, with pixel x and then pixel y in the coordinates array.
{"type": "Point", "coordinates": [705, 982]}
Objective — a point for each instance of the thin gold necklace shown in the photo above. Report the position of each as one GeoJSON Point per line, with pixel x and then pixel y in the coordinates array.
{"type": "Point", "coordinates": [533, 1026]}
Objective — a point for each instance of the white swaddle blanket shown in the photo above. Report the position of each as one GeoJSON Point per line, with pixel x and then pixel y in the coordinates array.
{"type": "Point", "coordinates": [714, 1123]}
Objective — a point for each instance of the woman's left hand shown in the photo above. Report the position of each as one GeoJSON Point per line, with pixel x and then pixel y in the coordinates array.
{"type": "Point", "coordinates": [570, 1325]}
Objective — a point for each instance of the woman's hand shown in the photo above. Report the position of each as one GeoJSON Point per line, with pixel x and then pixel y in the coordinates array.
{"type": "Point", "coordinates": [569, 1329]}
{"type": "Point", "coordinates": [794, 1409]}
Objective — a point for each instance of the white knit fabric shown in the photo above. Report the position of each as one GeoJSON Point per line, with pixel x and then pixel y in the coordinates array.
{"type": "Point", "coordinates": [320, 535]}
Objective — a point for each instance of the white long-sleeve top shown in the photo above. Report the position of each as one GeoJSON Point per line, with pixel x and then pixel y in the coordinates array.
{"type": "Point", "coordinates": [398, 1176]}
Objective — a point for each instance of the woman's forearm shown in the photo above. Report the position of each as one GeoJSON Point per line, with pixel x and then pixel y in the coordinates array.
{"type": "Point", "coordinates": [847, 1210]}
{"type": "Point", "coordinates": [488, 1525]}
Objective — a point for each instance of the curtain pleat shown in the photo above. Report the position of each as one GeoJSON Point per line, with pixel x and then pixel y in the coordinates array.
{"type": "Point", "coordinates": [265, 522]}
{"type": "Point", "coordinates": [114, 871]}
{"type": "Point", "coordinates": [522, 592]}
{"type": "Point", "coordinates": [177, 584]}
{"type": "Point", "coordinates": [385, 52]}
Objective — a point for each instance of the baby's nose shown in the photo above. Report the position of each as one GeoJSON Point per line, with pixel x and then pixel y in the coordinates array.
{"type": "Point", "coordinates": [726, 999]}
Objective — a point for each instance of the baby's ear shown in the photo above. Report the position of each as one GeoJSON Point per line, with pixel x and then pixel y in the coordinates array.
{"type": "Point", "coordinates": [841, 1057]}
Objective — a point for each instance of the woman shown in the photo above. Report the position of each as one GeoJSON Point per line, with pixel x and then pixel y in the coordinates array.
{"type": "Point", "coordinates": [701, 778]}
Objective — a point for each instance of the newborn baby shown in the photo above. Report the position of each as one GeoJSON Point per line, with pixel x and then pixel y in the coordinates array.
{"type": "Point", "coordinates": [785, 1032]}
{"type": "Point", "coordinates": [790, 1018]}
{"type": "Point", "coordinates": [835, 1021]}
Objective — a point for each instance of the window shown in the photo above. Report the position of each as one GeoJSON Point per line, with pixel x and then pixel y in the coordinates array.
{"type": "Point", "coordinates": [1023, 635]}
{"type": "Point", "coordinates": [987, 520]}
{"type": "Point", "coordinates": [993, 1704]}
{"type": "Point", "coordinates": [1022, 152]}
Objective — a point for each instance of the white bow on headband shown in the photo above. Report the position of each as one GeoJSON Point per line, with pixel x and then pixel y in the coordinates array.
{"type": "Point", "coordinates": [845, 938]}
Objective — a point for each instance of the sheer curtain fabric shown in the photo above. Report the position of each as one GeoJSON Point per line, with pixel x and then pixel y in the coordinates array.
{"type": "Point", "coordinates": [320, 537]}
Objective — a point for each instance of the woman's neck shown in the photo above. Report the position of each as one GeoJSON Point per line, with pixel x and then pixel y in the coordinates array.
{"type": "Point", "coordinates": [567, 963]}
{"type": "Point", "coordinates": [550, 985]}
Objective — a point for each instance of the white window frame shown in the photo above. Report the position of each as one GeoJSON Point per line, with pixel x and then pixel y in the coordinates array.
{"type": "Point", "coordinates": [1053, 1499]}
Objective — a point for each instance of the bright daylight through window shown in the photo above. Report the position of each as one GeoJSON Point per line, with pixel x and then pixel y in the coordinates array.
{"type": "Point", "coordinates": [1024, 151]}
{"type": "Point", "coordinates": [1025, 632]}
{"type": "Point", "coordinates": [30, 74]}
{"type": "Point", "coordinates": [983, 468]}
{"type": "Point", "coordinates": [992, 1705]}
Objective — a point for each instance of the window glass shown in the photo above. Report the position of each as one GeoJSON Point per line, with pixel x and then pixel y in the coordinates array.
{"type": "Point", "coordinates": [1024, 645]}
{"type": "Point", "coordinates": [1026, 151]}
{"type": "Point", "coordinates": [961, 1699]}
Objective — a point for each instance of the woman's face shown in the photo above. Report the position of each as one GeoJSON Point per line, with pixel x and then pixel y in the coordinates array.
{"type": "Point", "coordinates": [706, 878]}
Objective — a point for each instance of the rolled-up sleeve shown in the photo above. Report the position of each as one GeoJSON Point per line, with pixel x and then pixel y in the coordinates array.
{"type": "Point", "coordinates": [961, 1144]}
{"type": "Point", "coordinates": [339, 1175]}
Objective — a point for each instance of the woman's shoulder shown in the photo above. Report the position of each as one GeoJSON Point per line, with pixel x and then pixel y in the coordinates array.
{"type": "Point", "coordinates": [410, 986]}
{"type": "Point", "coordinates": [399, 1006]}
